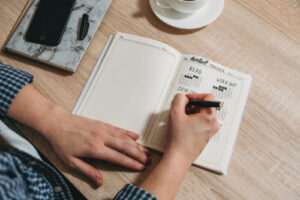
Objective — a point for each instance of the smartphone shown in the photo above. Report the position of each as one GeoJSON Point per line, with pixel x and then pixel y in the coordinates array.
{"type": "Point", "coordinates": [49, 21]}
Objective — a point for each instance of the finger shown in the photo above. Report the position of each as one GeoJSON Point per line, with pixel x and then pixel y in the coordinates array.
{"type": "Point", "coordinates": [144, 149]}
{"type": "Point", "coordinates": [209, 97]}
{"type": "Point", "coordinates": [206, 97]}
{"type": "Point", "coordinates": [116, 131]}
{"type": "Point", "coordinates": [192, 109]}
{"type": "Point", "coordinates": [116, 157]}
{"type": "Point", "coordinates": [211, 111]}
{"type": "Point", "coordinates": [207, 117]}
{"type": "Point", "coordinates": [199, 96]}
{"type": "Point", "coordinates": [132, 135]}
{"type": "Point", "coordinates": [197, 109]}
{"type": "Point", "coordinates": [132, 150]}
{"type": "Point", "coordinates": [205, 121]}
{"type": "Point", "coordinates": [89, 171]}
{"type": "Point", "coordinates": [125, 137]}
{"type": "Point", "coordinates": [179, 103]}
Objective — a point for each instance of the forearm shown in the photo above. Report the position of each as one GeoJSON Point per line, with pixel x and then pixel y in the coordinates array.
{"type": "Point", "coordinates": [188, 135]}
{"type": "Point", "coordinates": [164, 181]}
{"type": "Point", "coordinates": [33, 109]}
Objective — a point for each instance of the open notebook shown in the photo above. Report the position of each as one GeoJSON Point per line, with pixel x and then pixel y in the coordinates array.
{"type": "Point", "coordinates": [133, 86]}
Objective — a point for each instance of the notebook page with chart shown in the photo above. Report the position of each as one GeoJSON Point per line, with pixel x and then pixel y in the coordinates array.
{"type": "Point", "coordinates": [199, 75]}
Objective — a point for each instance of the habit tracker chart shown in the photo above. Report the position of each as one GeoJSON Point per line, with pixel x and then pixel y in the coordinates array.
{"type": "Point", "coordinates": [193, 77]}
{"type": "Point", "coordinates": [190, 82]}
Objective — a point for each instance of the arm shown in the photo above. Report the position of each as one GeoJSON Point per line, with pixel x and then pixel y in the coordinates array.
{"type": "Point", "coordinates": [72, 137]}
{"type": "Point", "coordinates": [188, 136]}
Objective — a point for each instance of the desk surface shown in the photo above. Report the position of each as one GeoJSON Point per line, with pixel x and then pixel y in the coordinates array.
{"type": "Point", "coordinates": [261, 38]}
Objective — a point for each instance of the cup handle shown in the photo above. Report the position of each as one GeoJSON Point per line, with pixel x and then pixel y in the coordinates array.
{"type": "Point", "coordinates": [162, 5]}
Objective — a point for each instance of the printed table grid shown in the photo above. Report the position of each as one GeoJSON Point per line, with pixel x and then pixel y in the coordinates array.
{"type": "Point", "coordinates": [221, 92]}
{"type": "Point", "coordinates": [190, 80]}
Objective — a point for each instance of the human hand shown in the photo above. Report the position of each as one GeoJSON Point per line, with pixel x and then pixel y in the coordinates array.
{"type": "Point", "coordinates": [189, 133]}
{"type": "Point", "coordinates": [74, 137]}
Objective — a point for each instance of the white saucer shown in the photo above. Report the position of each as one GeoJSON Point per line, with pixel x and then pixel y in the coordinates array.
{"type": "Point", "coordinates": [202, 17]}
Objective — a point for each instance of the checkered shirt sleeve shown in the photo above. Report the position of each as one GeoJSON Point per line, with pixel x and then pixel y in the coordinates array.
{"type": "Point", "coordinates": [25, 177]}
{"type": "Point", "coordinates": [131, 192]}
{"type": "Point", "coordinates": [12, 80]}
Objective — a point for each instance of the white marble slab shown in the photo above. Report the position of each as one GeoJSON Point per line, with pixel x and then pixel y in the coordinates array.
{"type": "Point", "coordinates": [69, 52]}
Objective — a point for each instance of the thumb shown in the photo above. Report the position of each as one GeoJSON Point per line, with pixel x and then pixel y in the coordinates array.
{"type": "Point", "coordinates": [179, 103]}
{"type": "Point", "coordinates": [89, 171]}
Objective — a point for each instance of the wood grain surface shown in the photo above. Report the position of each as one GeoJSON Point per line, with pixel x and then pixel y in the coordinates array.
{"type": "Point", "coordinates": [261, 38]}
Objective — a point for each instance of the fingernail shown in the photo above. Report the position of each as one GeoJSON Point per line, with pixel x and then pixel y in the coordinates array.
{"type": "Point", "coordinates": [98, 180]}
{"type": "Point", "coordinates": [141, 167]}
{"type": "Point", "coordinates": [146, 150]}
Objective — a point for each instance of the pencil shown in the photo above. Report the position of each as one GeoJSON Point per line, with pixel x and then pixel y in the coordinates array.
{"type": "Point", "coordinates": [205, 104]}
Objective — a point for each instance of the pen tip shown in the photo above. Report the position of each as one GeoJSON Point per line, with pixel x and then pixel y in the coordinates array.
{"type": "Point", "coordinates": [221, 104]}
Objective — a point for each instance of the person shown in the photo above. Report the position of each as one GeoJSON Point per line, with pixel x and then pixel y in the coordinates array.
{"type": "Point", "coordinates": [24, 175]}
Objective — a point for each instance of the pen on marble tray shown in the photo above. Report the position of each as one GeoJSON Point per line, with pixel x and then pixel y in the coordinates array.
{"type": "Point", "coordinates": [205, 104]}
{"type": "Point", "coordinates": [84, 26]}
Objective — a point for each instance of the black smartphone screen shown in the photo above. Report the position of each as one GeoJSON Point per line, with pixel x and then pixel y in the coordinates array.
{"type": "Point", "coordinates": [49, 21]}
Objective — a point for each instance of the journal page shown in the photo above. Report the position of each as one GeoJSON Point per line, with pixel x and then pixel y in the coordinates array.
{"type": "Point", "coordinates": [132, 79]}
{"type": "Point", "coordinates": [200, 75]}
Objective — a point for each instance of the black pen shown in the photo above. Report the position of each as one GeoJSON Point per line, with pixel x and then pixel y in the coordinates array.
{"type": "Point", "coordinates": [84, 26]}
{"type": "Point", "coordinates": [205, 104]}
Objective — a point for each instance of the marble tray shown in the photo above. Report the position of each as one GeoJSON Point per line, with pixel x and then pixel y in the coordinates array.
{"type": "Point", "coordinates": [69, 52]}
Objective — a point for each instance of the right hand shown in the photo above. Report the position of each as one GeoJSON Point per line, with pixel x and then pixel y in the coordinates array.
{"type": "Point", "coordinates": [189, 133]}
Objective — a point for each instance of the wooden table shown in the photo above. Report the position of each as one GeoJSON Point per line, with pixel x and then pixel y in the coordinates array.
{"type": "Point", "coordinates": [261, 38]}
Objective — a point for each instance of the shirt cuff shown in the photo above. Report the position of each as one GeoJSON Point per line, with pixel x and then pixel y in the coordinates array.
{"type": "Point", "coordinates": [12, 80]}
{"type": "Point", "coordinates": [129, 192]}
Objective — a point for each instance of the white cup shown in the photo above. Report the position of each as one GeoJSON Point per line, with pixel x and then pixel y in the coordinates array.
{"type": "Point", "coordinates": [183, 6]}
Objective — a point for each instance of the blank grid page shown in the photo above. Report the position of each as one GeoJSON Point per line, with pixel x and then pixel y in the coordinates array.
{"type": "Point", "coordinates": [130, 84]}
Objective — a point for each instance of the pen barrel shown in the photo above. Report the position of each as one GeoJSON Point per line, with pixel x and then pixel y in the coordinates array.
{"type": "Point", "coordinates": [205, 104]}
{"type": "Point", "coordinates": [84, 26]}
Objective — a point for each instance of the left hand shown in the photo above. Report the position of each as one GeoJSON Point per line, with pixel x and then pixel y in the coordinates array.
{"type": "Point", "coordinates": [74, 137]}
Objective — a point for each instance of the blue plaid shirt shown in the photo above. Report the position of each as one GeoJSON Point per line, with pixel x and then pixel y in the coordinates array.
{"type": "Point", "coordinates": [24, 177]}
